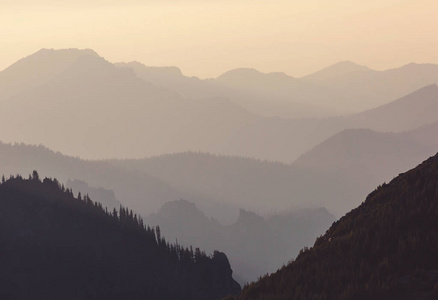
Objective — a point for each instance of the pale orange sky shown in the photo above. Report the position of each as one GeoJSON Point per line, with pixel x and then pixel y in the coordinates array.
{"type": "Point", "coordinates": [206, 38]}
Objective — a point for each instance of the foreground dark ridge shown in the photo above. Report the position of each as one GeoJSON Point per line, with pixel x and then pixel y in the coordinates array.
{"type": "Point", "coordinates": [56, 246]}
{"type": "Point", "coordinates": [384, 249]}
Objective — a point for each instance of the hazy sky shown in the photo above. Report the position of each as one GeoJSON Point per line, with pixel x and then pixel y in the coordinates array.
{"type": "Point", "coordinates": [206, 38]}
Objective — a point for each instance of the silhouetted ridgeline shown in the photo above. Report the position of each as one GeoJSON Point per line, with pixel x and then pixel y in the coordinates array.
{"type": "Point", "coordinates": [56, 246]}
{"type": "Point", "coordinates": [384, 249]}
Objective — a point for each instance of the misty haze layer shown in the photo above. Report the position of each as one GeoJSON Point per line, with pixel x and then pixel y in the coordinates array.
{"type": "Point", "coordinates": [218, 149]}
{"type": "Point", "coordinates": [240, 148]}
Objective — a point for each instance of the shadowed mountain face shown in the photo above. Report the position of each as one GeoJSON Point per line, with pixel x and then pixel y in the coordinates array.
{"type": "Point", "coordinates": [56, 246]}
{"type": "Point", "coordinates": [384, 249]}
{"type": "Point", "coordinates": [254, 245]}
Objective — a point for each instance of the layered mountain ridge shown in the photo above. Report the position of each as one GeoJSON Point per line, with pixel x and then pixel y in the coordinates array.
{"type": "Point", "coordinates": [95, 103]}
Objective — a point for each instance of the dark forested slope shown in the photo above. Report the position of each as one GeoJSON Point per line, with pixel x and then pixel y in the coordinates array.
{"type": "Point", "coordinates": [384, 249]}
{"type": "Point", "coordinates": [56, 246]}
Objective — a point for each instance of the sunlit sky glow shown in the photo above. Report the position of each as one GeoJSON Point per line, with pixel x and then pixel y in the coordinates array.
{"type": "Point", "coordinates": [207, 38]}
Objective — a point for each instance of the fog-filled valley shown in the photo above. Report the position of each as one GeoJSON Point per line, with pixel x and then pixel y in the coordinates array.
{"type": "Point", "coordinates": [220, 180]}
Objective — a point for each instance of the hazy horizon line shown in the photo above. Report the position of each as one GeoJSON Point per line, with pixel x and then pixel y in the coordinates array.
{"type": "Point", "coordinates": [260, 70]}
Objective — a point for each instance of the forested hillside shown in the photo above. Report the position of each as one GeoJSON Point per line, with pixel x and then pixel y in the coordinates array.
{"type": "Point", "coordinates": [384, 249]}
{"type": "Point", "coordinates": [51, 239]}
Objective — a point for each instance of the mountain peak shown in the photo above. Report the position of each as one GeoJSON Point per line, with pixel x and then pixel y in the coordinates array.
{"type": "Point", "coordinates": [53, 57]}
{"type": "Point", "coordinates": [182, 208]}
{"type": "Point", "coordinates": [416, 65]}
{"type": "Point", "coordinates": [240, 73]}
{"type": "Point", "coordinates": [41, 66]}
{"type": "Point", "coordinates": [338, 69]}
{"type": "Point", "coordinates": [165, 70]}
{"type": "Point", "coordinates": [255, 79]}
{"type": "Point", "coordinates": [249, 218]}
{"type": "Point", "coordinates": [348, 63]}
{"type": "Point", "coordinates": [155, 75]}
{"type": "Point", "coordinates": [71, 51]}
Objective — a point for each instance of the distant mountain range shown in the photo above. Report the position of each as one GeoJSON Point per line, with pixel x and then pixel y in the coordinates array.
{"type": "Point", "coordinates": [384, 249]}
{"type": "Point", "coordinates": [274, 94]}
{"type": "Point", "coordinates": [340, 88]}
{"type": "Point", "coordinates": [344, 168]}
{"type": "Point", "coordinates": [102, 111]}
{"type": "Point", "coordinates": [105, 110]}
{"type": "Point", "coordinates": [285, 140]}
{"type": "Point", "coordinates": [364, 88]}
